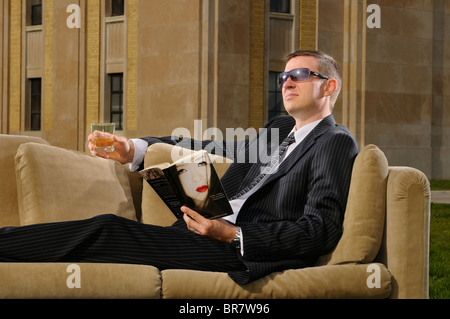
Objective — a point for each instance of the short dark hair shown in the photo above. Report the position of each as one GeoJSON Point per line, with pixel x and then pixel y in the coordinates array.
{"type": "Point", "coordinates": [327, 66]}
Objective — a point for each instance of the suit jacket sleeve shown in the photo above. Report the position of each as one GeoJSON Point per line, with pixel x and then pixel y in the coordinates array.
{"type": "Point", "coordinates": [237, 151]}
{"type": "Point", "coordinates": [323, 179]}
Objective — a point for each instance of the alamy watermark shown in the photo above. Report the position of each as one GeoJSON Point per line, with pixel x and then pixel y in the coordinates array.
{"type": "Point", "coordinates": [74, 279]}
{"type": "Point", "coordinates": [373, 20]}
{"type": "Point", "coordinates": [374, 279]}
{"type": "Point", "coordinates": [74, 19]}
{"type": "Point", "coordinates": [235, 145]}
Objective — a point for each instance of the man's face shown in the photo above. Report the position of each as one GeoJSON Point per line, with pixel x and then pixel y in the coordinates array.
{"type": "Point", "coordinates": [303, 99]}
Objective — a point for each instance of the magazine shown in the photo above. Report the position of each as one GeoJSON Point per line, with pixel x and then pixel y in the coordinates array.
{"type": "Point", "coordinates": [191, 181]}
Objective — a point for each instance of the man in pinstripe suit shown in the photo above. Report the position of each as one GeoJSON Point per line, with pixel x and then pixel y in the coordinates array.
{"type": "Point", "coordinates": [288, 220]}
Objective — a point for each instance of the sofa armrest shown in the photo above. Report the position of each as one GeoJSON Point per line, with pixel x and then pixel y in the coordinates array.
{"type": "Point", "coordinates": [45, 175]}
{"type": "Point", "coordinates": [9, 210]}
{"type": "Point", "coordinates": [405, 246]}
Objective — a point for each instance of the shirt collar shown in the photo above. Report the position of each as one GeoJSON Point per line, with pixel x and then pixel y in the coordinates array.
{"type": "Point", "coordinates": [302, 132]}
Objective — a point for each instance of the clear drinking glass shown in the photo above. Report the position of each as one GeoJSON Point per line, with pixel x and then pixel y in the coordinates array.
{"type": "Point", "coordinates": [100, 141]}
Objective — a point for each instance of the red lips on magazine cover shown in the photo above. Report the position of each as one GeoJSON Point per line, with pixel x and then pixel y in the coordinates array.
{"type": "Point", "coordinates": [202, 189]}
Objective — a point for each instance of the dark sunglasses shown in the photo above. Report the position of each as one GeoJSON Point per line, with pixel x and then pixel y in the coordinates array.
{"type": "Point", "coordinates": [301, 74]}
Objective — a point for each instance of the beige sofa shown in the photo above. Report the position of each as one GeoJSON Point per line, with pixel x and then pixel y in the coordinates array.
{"type": "Point", "coordinates": [383, 252]}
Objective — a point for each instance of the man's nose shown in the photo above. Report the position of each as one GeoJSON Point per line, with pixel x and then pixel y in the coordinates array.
{"type": "Point", "coordinates": [289, 83]}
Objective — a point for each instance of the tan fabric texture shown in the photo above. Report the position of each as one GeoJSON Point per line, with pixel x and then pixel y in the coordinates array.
{"type": "Point", "coordinates": [136, 190]}
{"type": "Point", "coordinates": [406, 241]}
{"type": "Point", "coordinates": [365, 212]}
{"type": "Point", "coordinates": [337, 281]}
{"type": "Point", "coordinates": [9, 210]}
{"type": "Point", "coordinates": [55, 184]}
{"type": "Point", "coordinates": [154, 211]}
{"type": "Point", "coordinates": [88, 281]}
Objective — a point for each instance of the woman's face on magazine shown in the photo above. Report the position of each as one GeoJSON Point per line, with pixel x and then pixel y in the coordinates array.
{"type": "Point", "coordinates": [194, 178]}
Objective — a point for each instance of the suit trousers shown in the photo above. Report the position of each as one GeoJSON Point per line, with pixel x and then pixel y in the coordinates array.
{"type": "Point", "coordinates": [113, 239]}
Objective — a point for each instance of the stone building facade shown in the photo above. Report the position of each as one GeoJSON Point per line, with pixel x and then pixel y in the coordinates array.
{"type": "Point", "coordinates": [153, 66]}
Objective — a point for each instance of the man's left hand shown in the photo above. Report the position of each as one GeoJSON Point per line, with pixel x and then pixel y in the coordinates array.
{"type": "Point", "coordinates": [218, 229]}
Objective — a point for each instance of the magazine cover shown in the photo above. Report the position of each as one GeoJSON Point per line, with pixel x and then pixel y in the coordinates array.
{"type": "Point", "coordinates": [191, 181]}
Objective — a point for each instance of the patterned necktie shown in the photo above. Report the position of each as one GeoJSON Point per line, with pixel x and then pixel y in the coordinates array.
{"type": "Point", "coordinates": [275, 159]}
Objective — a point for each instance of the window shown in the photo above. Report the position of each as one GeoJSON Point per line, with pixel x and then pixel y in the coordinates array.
{"type": "Point", "coordinates": [276, 106]}
{"type": "Point", "coordinates": [35, 12]}
{"type": "Point", "coordinates": [33, 121]}
{"type": "Point", "coordinates": [117, 8]}
{"type": "Point", "coordinates": [281, 6]}
{"type": "Point", "coordinates": [116, 100]}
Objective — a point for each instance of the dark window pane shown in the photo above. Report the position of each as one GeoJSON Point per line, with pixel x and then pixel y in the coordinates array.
{"type": "Point", "coordinates": [36, 12]}
{"type": "Point", "coordinates": [116, 83]}
{"type": "Point", "coordinates": [275, 106]}
{"type": "Point", "coordinates": [117, 7]}
{"type": "Point", "coordinates": [282, 6]}
{"type": "Point", "coordinates": [273, 81]}
{"type": "Point", "coordinates": [116, 100]}
{"type": "Point", "coordinates": [35, 124]}
{"type": "Point", "coordinates": [34, 109]}
{"type": "Point", "coordinates": [35, 104]}
{"type": "Point", "coordinates": [117, 119]}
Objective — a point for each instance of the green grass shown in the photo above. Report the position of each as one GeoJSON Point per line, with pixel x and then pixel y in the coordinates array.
{"type": "Point", "coordinates": [440, 246]}
{"type": "Point", "coordinates": [440, 185]}
{"type": "Point", "coordinates": [440, 251]}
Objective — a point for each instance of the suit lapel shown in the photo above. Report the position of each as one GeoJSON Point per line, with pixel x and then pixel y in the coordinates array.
{"type": "Point", "coordinates": [302, 148]}
{"type": "Point", "coordinates": [296, 154]}
{"type": "Point", "coordinates": [255, 169]}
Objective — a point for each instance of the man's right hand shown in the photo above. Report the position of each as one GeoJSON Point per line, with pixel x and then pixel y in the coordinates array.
{"type": "Point", "coordinates": [123, 149]}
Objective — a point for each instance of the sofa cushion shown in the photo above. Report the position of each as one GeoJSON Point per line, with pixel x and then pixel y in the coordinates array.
{"type": "Point", "coordinates": [56, 184]}
{"type": "Point", "coordinates": [337, 281]}
{"type": "Point", "coordinates": [154, 211]}
{"type": "Point", "coordinates": [81, 280]}
{"type": "Point", "coordinates": [365, 212]}
{"type": "Point", "coordinates": [9, 211]}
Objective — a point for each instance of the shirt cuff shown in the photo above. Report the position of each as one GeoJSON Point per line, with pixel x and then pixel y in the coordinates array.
{"type": "Point", "coordinates": [140, 148]}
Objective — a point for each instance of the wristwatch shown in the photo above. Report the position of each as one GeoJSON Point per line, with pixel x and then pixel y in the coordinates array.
{"type": "Point", "coordinates": [237, 238]}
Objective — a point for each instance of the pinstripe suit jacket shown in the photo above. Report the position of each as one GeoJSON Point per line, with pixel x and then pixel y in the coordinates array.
{"type": "Point", "coordinates": [297, 214]}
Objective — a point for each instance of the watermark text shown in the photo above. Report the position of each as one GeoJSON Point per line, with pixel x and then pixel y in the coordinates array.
{"type": "Point", "coordinates": [74, 279]}
{"type": "Point", "coordinates": [374, 19]}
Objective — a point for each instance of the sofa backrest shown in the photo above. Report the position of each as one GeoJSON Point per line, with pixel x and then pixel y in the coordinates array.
{"type": "Point", "coordinates": [9, 212]}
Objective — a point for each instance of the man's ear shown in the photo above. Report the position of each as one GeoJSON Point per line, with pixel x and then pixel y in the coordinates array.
{"type": "Point", "coordinates": [331, 86]}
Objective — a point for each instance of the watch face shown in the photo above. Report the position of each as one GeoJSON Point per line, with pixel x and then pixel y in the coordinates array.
{"type": "Point", "coordinates": [237, 237]}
